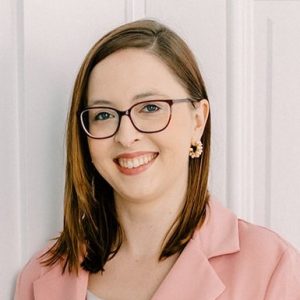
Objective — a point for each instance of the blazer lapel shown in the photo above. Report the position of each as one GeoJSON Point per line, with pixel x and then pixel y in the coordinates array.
{"type": "Point", "coordinates": [53, 285]}
{"type": "Point", "coordinates": [193, 277]}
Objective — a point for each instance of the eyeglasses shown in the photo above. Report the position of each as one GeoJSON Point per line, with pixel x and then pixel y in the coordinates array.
{"type": "Point", "coordinates": [102, 122]}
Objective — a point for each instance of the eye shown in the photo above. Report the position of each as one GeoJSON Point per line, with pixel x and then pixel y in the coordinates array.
{"type": "Point", "coordinates": [102, 116]}
{"type": "Point", "coordinates": [150, 108]}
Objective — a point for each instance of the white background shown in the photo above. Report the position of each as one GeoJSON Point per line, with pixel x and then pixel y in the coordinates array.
{"type": "Point", "coordinates": [248, 52]}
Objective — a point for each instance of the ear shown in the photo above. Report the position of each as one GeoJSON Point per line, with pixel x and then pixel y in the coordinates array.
{"type": "Point", "coordinates": [200, 117]}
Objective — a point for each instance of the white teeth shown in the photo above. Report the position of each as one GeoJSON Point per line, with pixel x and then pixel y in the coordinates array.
{"type": "Point", "coordinates": [135, 162]}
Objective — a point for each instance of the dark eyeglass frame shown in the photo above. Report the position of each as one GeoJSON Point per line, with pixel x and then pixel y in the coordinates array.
{"type": "Point", "coordinates": [128, 114]}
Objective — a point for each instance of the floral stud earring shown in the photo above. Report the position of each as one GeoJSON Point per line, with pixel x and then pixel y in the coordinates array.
{"type": "Point", "coordinates": [196, 149]}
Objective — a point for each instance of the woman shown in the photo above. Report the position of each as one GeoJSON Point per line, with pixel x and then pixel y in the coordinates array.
{"type": "Point", "coordinates": [139, 222]}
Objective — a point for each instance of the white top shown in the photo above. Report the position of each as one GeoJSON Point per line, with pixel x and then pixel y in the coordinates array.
{"type": "Point", "coordinates": [91, 296]}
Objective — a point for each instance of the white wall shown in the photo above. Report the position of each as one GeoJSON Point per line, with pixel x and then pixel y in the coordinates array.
{"type": "Point", "coordinates": [248, 53]}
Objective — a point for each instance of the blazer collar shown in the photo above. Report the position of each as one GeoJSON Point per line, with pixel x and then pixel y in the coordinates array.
{"type": "Point", "coordinates": [219, 234]}
{"type": "Point", "coordinates": [192, 276]}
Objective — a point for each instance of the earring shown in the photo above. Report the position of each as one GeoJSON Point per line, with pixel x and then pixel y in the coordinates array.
{"type": "Point", "coordinates": [196, 149]}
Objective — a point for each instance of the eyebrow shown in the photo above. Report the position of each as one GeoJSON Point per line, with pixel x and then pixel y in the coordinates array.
{"type": "Point", "coordinates": [136, 97]}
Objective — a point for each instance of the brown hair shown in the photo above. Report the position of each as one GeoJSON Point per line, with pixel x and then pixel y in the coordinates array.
{"type": "Point", "coordinates": [91, 233]}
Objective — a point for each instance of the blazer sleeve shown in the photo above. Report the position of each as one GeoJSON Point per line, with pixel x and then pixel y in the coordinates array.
{"type": "Point", "coordinates": [285, 280]}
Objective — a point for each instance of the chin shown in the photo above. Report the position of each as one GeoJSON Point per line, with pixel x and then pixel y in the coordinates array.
{"type": "Point", "coordinates": [136, 194]}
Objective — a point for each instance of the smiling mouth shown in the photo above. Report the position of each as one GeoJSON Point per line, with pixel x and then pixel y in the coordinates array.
{"type": "Point", "coordinates": [132, 163]}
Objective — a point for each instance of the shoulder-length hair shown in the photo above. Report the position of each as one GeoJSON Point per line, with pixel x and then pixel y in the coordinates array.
{"type": "Point", "coordinates": [91, 232]}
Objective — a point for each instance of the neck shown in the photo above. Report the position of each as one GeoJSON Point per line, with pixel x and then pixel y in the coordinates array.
{"type": "Point", "coordinates": [146, 223]}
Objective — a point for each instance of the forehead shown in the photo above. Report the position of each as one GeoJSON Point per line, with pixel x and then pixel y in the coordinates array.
{"type": "Point", "coordinates": [127, 73]}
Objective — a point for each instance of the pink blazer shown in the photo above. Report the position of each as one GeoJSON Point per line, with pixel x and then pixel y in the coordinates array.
{"type": "Point", "coordinates": [227, 258]}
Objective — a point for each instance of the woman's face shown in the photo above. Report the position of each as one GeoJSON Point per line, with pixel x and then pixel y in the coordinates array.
{"type": "Point", "coordinates": [141, 166]}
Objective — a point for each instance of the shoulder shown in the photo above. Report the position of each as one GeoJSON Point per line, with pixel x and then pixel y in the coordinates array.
{"type": "Point", "coordinates": [32, 271]}
{"type": "Point", "coordinates": [37, 281]}
{"type": "Point", "coordinates": [273, 260]}
{"type": "Point", "coordinates": [261, 239]}
{"type": "Point", "coordinates": [34, 267]}
{"type": "Point", "coordinates": [242, 252]}
{"type": "Point", "coordinates": [264, 243]}
{"type": "Point", "coordinates": [241, 236]}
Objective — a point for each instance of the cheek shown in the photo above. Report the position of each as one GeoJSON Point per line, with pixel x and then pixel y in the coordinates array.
{"type": "Point", "coordinates": [179, 137]}
{"type": "Point", "coordinates": [98, 152]}
{"type": "Point", "coordinates": [101, 162]}
{"type": "Point", "coordinates": [175, 149]}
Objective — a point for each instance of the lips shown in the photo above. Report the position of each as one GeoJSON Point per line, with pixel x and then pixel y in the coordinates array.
{"type": "Point", "coordinates": [134, 163]}
{"type": "Point", "coordinates": [130, 163]}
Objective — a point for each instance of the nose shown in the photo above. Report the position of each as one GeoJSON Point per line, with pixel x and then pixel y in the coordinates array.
{"type": "Point", "coordinates": [127, 134]}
